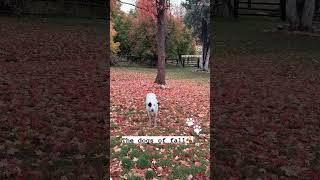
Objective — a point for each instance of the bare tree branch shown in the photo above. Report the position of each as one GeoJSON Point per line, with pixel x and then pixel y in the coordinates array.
{"type": "Point", "coordinates": [142, 8]}
{"type": "Point", "coordinates": [145, 9]}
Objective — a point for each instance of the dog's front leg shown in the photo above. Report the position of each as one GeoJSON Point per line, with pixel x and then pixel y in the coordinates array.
{"type": "Point", "coordinates": [150, 120]}
{"type": "Point", "coordinates": [155, 119]}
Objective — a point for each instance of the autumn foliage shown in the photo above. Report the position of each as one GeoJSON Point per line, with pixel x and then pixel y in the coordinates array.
{"type": "Point", "coordinates": [150, 8]}
{"type": "Point", "coordinates": [114, 46]}
{"type": "Point", "coordinates": [136, 32]}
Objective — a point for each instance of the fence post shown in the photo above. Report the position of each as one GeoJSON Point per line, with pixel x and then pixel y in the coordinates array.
{"type": "Point", "coordinates": [198, 62]}
{"type": "Point", "coordinates": [283, 9]}
{"type": "Point", "coordinates": [249, 4]}
{"type": "Point", "coordinates": [235, 9]}
{"type": "Point", "coordinates": [183, 62]}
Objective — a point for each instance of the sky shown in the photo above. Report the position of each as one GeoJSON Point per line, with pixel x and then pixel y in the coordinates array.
{"type": "Point", "coordinates": [127, 8]}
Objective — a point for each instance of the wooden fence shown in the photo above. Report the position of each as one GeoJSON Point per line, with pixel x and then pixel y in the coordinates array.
{"type": "Point", "coordinates": [269, 8]}
{"type": "Point", "coordinates": [186, 60]}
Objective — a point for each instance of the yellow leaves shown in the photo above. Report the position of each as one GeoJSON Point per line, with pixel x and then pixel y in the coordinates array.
{"type": "Point", "coordinates": [114, 46]}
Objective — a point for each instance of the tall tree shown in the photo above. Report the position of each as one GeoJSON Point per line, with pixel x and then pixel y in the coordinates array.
{"type": "Point", "coordinates": [161, 35]}
{"type": "Point", "coordinates": [139, 38]}
{"type": "Point", "coordinates": [300, 14]}
{"type": "Point", "coordinates": [198, 17]}
{"type": "Point", "coordinates": [157, 10]}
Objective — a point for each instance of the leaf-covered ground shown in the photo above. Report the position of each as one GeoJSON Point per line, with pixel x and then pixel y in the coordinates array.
{"type": "Point", "coordinates": [182, 98]}
{"type": "Point", "coordinates": [266, 118]}
{"type": "Point", "coordinates": [52, 106]}
{"type": "Point", "coordinates": [266, 103]}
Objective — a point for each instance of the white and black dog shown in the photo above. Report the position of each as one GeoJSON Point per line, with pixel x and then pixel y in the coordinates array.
{"type": "Point", "coordinates": [152, 106]}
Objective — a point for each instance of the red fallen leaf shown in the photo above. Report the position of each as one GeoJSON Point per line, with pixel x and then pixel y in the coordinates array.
{"type": "Point", "coordinates": [200, 176]}
{"type": "Point", "coordinates": [115, 177]}
{"type": "Point", "coordinates": [125, 130]}
{"type": "Point", "coordinates": [119, 120]}
{"type": "Point", "coordinates": [189, 133]}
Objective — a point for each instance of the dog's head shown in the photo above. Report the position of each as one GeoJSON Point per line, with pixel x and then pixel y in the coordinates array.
{"type": "Point", "coordinates": [152, 106]}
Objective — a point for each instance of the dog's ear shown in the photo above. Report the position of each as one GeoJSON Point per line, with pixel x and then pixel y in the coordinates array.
{"type": "Point", "coordinates": [149, 104]}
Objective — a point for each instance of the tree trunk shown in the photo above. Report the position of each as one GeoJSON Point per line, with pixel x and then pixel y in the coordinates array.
{"type": "Point", "coordinates": [225, 10]}
{"type": "Point", "coordinates": [205, 44]}
{"type": "Point", "coordinates": [300, 14]}
{"type": "Point", "coordinates": [201, 59]}
{"type": "Point", "coordinates": [204, 58]}
{"type": "Point", "coordinates": [206, 65]}
{"type": "Point", "coordinates": [317, 5]}
{"type": "Point", "coordinates": [179, 60]}
{"type": "Point", "coordinates": [307, 15]}
{"type": "Point", "coordinates": [292, 14]}
{"type": "Point", "coordinates": [160, 79]}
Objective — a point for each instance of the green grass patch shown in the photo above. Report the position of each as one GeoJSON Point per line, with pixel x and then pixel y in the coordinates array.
{"type": "Point", "coordinates": [126, 163]}
{"type": "Point", "coordinates": [150, 154]}
{"type": "Point", "coordinates": [195, 170]}
{"type": "Point", "coordinates": [180, 148]}
{"type": "Point", "coordinates": [115, 141]}
{"type": "Point", "coordinates": [182, 172]}
{"type": "Point", "coordinates": [149, 174]}
{"type": "Point", "coordinates": [179, 172]}
{"type": "Point", "coordinates": [135, 153]}
{"type": "Point", "coordinates": [143, 162]}
{"type": "Point", "coordinates": [164, 163]}
{"type": "Point", "coordinates": [124, 150]}
{"type": "Point", "coordinates": [134, 178]}
{"type": "Point", "coordinates": [172, 72]}
{"type": "Point", "coordinates": [247, 36]}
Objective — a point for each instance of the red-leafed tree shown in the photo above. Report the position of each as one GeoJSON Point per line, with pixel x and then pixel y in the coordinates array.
{"type": "Point", "coordinates": [157, 10]}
